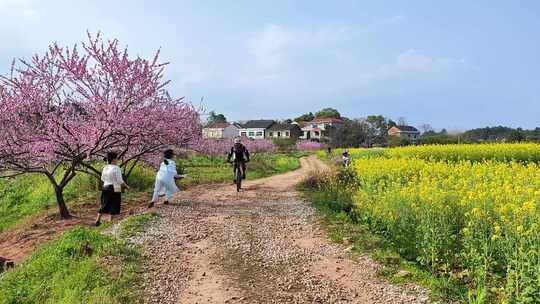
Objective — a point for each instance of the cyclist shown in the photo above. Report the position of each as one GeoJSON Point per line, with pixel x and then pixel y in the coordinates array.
{"type": "Point", "coordinates": [345, 158]}
{"type": "Point", "coordinates": [239, 155]}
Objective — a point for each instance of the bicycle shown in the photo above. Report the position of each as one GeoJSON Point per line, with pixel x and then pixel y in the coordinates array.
{"type": "Point", "coordinates": [237, 175]}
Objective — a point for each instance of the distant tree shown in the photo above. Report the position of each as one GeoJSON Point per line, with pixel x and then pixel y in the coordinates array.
{"type": "Point", "coordinates": [432, 137]}
{"type": "Point", "coordinates": [328, 113]}
{"type": "Point", "coordinates": [532, 135]}
{"type": "Point", "coordinates": [352, 133]}
{"type": "Point", "coordinates": [214, 118]}
{"type": "Point", "coordinates": [396, 141]}
{"type": "Point", "coordinates": [288, 121]}
{"type": "Point", "coordinates": [426, 128]}
{"type": "Point", "coordinates": [488, 134]}
{"type": "Point", "coordinates": [305, 117]}
{"type": "Point", "coordinates": [377, 129]}
{"type": "Point", "coordinates": [391, 123]}
{"type": "Point", "coordinates": [516, 136]}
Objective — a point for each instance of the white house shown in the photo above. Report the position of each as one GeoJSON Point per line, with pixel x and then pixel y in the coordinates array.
{"type": "Point", "coordinates": [221, 130]}
{"type": "Point", "coordinates": [256, 129]}
{"type": "Point", "coordinates": [410, 133]}
{"type": "Point", "coordinates": [284, 130]}
{"type": "Point", "coordinates": [316, 128]}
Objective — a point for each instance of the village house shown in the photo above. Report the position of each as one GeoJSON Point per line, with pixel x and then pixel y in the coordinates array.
{"type": "Point", "coordinates": [256, 129]}
{"type": "Point", "coordinates": [284, 130]}
{"type": "Point", "coordinates": [221, 130]}
{"type": "Point", "coordinates": [408, 132]}
{"type": "Point", "coordinates": [318, 127]}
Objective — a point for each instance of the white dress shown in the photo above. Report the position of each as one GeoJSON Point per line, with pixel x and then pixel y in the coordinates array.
{"type": "Point", "coordinates": [165, 180]}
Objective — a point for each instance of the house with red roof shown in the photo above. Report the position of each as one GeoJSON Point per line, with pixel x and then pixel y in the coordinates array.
{"type": "Point", "coordinates": [408, 132]}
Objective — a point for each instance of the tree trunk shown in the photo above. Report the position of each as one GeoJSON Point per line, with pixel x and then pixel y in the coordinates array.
{"type": "Point", "coordinates": [62, 208]}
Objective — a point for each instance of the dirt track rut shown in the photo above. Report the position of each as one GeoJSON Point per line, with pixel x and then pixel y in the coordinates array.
{"type": "Point", "coordinates": [263, 245]}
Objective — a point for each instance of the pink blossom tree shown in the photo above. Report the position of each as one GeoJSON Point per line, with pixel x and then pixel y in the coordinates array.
{"type": "Point", "coordinates": [62, 112]}
{"type": "Point", "coordinates": [215, 147]}
{"type": "Point", "coordinates": [260, 145]}
{"type": "Point", "coordinates": [308, 145]}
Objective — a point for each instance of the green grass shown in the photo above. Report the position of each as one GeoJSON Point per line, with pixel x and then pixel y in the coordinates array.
{"type": "Point", "coordinates": [64, 271]}
{"type": "Point", "coordinates": [339, 219]}
{"type": "Point", "coordinates": [136, 224]}
{"type": "Point", "coordinates": [27, 195]}
{"type": "Point", "coordinates": [203, 169]}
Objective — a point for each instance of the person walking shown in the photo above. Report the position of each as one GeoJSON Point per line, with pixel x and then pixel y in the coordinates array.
{"type": "Point", "coordinates": [111, 194]}
{"type": "Point", "coordinates": [165, 179]}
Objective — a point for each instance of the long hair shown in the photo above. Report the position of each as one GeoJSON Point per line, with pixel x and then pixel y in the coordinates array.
{"type": "Point", "coordinates": [167, 154]}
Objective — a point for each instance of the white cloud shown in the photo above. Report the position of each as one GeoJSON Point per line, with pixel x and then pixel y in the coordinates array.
{"type": "Point", "coordinates": [413, 60]}
{"type": "Point", "coordinates": [274, 50]}
{"type": "Point", "coordinates": [24, 7]}
{"type": "Point", "coordinates": [383, 22]}
{"type": "Point", "coordinates": [29, 13]}
{"type": "Point", "coordinates": [414, 63]}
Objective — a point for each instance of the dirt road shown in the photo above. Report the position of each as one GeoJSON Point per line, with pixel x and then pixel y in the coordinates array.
{"type": "Point", "coordinates": [263, 245]}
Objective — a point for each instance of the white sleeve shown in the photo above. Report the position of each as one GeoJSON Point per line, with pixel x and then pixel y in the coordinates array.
{"type": "Point", "coordinates": [103, 179]}
{"type": "Point", "coordinates": [171, 167]}
{"type": "Point", "coordinates": [118, 176]}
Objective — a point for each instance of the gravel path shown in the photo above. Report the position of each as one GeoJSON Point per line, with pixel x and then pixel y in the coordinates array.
{"type": "Point", "coordinates": [263, 245]}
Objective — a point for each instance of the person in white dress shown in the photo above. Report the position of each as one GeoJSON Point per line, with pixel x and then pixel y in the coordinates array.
{"type": "Point", "coordinates": [165, 179]}
{"type": "Point", "coordinates": [111, 194]}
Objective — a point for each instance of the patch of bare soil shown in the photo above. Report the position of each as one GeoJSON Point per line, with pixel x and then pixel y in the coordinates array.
{"type": "Point", "coordinates": [19, 243]}
{"type": "Point", "coordinates": [262, 245]}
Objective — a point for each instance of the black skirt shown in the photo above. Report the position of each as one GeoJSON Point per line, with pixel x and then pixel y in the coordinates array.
{"type": "Point", "coordinates": [110, 201]}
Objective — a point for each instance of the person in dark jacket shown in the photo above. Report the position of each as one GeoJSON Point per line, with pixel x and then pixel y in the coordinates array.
{"type": "Point", "coordinates": [239, 154]}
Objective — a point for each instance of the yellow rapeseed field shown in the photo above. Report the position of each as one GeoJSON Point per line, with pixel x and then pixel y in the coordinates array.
{"type": "Point", "coordinates": [471, 212]}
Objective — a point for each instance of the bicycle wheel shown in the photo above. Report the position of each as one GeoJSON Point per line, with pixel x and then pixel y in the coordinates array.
{"type": "Point", "coordinates": [238, 177]}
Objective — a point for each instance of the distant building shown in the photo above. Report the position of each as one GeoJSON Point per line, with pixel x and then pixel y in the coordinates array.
{"type": "Point", "coordinates": [316, 129]}
{"type": "Point", "coordinates": [221, 130]}
{"type": "Point", "coordinates": [408, 132]}
{"type": "Point", "coordinates": [284, 130]}
{"type": "Point", "coordinates": [256, 129]}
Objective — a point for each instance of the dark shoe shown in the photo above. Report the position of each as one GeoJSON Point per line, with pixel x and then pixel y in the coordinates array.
{"type": "Point", "coordinates": [151, 205]}
{"type": "Point", "coordinates": [98, 223]}
{"type": "Point", "coordinates": [165, 202]}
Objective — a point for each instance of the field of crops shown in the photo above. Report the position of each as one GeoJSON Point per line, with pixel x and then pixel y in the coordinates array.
{"type": "Point", "coordinates": [469, 212]}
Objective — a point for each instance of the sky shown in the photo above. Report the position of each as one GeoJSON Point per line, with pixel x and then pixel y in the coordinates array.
{"type": "Point", "coordinates": [451, 64]}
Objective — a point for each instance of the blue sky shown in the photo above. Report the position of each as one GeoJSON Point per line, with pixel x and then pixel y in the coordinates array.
{"type": "Point", "coordinates": [453, 64]}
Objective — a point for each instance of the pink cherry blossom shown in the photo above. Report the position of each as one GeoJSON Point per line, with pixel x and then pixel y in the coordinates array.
{"type": "Point", "coordinates": [63, 111]}
{"type": "Point", "coordinates": [308, 145]}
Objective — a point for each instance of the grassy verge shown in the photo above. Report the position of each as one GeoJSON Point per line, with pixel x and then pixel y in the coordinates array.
{"type": "Point", "coordinates": [335, 204]}
{"type": "Point", "coordinates": [136, 224]}
{"type": "Point", "coordinates": [25, 196]}
{"type": "Point", "coordinates": [83, 266]}
{"type": "Point", "coordinates": [28, 195]}
{"type": "Point", "coordinates": [205, 169]}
